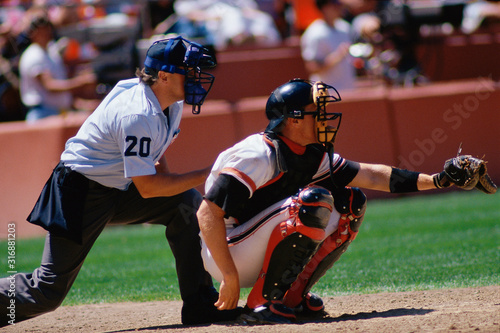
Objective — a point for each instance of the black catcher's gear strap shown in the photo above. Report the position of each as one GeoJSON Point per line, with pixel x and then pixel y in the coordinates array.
{"type": "Point", "coordinates": [228, 193]}
{"type": "Point", "coordinates": [440, 180]}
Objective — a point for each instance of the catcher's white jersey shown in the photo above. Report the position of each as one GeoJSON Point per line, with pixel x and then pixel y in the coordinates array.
{"type": "Point", "coordinates": [253, 163]}
{"type": "Point", "coordinates": [124, 137]}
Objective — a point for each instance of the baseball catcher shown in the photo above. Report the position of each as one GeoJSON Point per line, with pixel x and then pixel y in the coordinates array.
{"type": "Point", "coordinates": [281, 206]}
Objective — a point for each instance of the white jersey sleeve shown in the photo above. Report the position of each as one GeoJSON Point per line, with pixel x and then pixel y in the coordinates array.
{"type": "Point", "coordinates": [250, 161]}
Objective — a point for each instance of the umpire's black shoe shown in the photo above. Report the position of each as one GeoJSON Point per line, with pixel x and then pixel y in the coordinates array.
{"type": "Point", "coordinates": [203, 311]}
{"type": "Point", "coordinates": [207, 314]}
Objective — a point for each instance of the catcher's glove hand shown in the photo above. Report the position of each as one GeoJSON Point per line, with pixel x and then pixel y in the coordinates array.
{"type": "Point", "coordinates": [466, 172]}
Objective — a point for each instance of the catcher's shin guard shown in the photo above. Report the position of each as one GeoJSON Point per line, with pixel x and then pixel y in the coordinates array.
{"type": "Point", "coordinates": [291, 245]}
{"type": "Point", "coordinates": [351, 204]}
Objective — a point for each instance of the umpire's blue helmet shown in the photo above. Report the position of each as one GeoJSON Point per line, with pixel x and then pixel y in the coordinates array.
{"type": "Point", "coordinates": [181, 56]}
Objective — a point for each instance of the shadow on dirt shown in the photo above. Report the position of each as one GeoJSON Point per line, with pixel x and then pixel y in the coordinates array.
{"type": "Point", "coordinates": [376, 314]}
{"type": "Point", "coordinates": [326, 318]}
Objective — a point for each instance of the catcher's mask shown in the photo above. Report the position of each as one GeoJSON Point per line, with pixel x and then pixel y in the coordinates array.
{"type": "Point", "coordinates": [181, 56]}
{"type": "Point", "coordinates": [291, 99]}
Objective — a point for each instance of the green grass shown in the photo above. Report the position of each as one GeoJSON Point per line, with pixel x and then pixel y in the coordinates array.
{"type": "Point", "coordinates": [413, 243]}
{"type": "Point", "coordinates": [425, 242]}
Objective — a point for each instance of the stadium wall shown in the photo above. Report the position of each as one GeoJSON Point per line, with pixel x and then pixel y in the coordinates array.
{"type": "Point", "coordinates": [414, 128]}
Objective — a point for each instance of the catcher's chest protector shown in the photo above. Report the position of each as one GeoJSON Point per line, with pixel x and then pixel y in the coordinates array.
{"type": "Point", "coordinates": [297, 172]}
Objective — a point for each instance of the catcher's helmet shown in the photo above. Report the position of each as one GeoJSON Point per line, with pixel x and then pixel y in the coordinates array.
{"type": "Point", "coordinates": [290, 100]}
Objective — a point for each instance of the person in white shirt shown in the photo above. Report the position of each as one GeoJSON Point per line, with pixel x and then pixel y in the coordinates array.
{"type": "Point", "coordinates": [114, 171]}
{"type": "Point", "coordinates": [325, 47]}
{"type": "Point", "coordinates": [231, 22]}
{"type": "Point", "coordinates": [45, 87]}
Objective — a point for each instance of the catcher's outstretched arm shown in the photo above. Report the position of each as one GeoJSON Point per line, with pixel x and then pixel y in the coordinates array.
{"type": "Point", "coordinates": [389, 179]}
{"type": "Point", "coordinates": [464, 171]}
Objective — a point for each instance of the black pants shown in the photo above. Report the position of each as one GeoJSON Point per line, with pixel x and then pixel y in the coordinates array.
{"type": "Point", "coordinates": [45, 288]}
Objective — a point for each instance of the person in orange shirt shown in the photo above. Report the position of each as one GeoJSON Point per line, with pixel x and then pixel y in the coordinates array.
{"type": "Point", "coordinates": [304, 11]}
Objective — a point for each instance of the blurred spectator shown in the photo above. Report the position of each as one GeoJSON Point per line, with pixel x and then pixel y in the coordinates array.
{"type": "Point", "coordinates": [158, 11]}
{"type": "Point", "coordinates": [397, 59]}
{"type": "Point", "coordinates": [185, 25]}
{"type": "Point", "coordinates": [384, 36]}
{"type": "Point", "coordinates": [61, 13]}
{"type": "Point", "coordinates": [478, 12]}
{"type": "Point", "coordinates": [304, 12]}
{"type": "Point", "coordinates": [12, 42]}
{"type": "Point", "coordinates": [45, 88]}
{"type": "Point", "coordinates": [365, 35]}
{"type": "Point", "coordinates": [353, 8]}
{"type": "Point", "coordinates": [297, 14]}
{"type": "Point", "coordinates": [231, 22]}
{"type": "Point", "coordinates": [362, 15]}
{"type": "Point", "coordinates": [325, 47]}
{"type": "Point", "coordinates": [11, 108]}
{"type": "Point", "coordinates": [12, 38]}
{"type": "Point", "coordinates": [279, 11]}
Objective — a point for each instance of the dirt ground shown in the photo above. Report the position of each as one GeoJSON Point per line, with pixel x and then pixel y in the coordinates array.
{"type": "Point", "coordinates": [453, 310]}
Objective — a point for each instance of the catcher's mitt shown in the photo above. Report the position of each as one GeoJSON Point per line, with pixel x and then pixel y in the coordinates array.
{"type": "Point", "coordinates": [467, 172]}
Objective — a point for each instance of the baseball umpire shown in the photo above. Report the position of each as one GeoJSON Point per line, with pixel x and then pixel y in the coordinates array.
{"type": "Point", "coordinates": [114, 171]}
{"type": "Point", "coordinates": [281, 206]}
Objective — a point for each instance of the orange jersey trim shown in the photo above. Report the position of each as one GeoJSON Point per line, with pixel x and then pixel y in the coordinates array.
{"type": "Point", "coordinates": [240, 175]}
{"type": "Point", "coordinates": [294, 147]}
{"type": "Point", "coordinates": [275, 179]}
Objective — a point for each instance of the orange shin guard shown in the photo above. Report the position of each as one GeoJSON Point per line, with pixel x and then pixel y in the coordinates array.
{"type": "Point", "coordinates": [352, 210]}
{"type": "Point", "coordinates": [291, 245]}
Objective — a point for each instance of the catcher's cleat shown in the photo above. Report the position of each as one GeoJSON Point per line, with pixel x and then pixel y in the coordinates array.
{"type": "Point", "coordinates": [201, 309]}
{"type": "Point", "coordinates": [268, 314]}
{"type": "Point", "coordinates": [311, 305]}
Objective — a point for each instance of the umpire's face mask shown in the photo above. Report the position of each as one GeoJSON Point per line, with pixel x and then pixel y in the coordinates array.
{"type": "Point", "coordinates": [196, 87]}
{"type": "Point", "coordinates": [198, 83]}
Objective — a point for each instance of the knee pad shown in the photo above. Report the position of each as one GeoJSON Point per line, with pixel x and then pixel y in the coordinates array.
{"type": "Point", "coordinates": [316, 205]}
{"type": "Point", "coordinates": [351, 202]}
